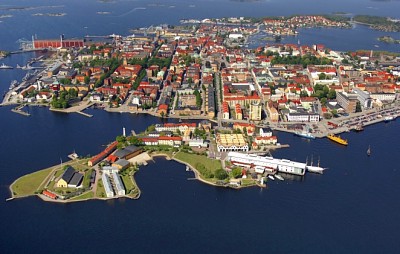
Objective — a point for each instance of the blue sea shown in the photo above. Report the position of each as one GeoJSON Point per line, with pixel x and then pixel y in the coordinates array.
{"type": "Point", "coordinates": [352, 208]}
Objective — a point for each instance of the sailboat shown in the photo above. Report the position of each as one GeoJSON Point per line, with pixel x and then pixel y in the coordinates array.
{"type": "Point", "coordinates": [369, 151]}
{"type": "Point", "coordinates": [315, 169]}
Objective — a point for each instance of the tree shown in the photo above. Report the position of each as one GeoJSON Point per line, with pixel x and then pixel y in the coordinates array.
{"type": "Point", "coordinates": [331, 94]}
{"type": "Point", "coordinates": [151, 128]}
{"type": "Point", "coordinates": [323, 101]}
{"type": "Point", "coordinates": [86, 79]}
{"type": "Point", "coordinates": [120, 139]}
{"type": "Point", "coordinates": [236, 172]}
{"type": "Point", "coordinates": [358, 107]}
{"type": "Point", "coordinates": [220, 174]}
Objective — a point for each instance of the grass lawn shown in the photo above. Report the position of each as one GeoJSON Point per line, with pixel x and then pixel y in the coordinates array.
{"type": "Point", "coordinates": [248, 182]}
{"type": "Point", "coordinates": [85, 195]}
{"type": "Point", "coordinates": [128, 183]}
{"type": "Point", "coordinates": [194, 159]}
{"type": "Point", "coordinates": [86, 178]}
{"type": "Point", "coordinates": [100, 192]}
{"type": "Point", "coordinates": [28, 184]}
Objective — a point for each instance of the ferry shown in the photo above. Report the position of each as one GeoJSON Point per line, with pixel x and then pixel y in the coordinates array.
{"type": "Point", "coordinates": [337, 139]}
{"type": "Point", "coordinates": [3, 66]}
{"type": "Point", "coordinates": [305, 135]}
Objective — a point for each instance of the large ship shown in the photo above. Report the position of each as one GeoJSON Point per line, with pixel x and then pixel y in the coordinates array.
{"type": "Point", "coordinates": [3, 66]}
{"type": "Point", "coordinates": [337, 139]}
{"type": "Point", "coordinates": [305, 135]}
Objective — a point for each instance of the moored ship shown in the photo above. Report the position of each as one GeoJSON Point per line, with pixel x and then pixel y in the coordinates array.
{"type": "Point", "coordinates": [305, 135]}
{"type": "Point", "coordinates": [337, 139]}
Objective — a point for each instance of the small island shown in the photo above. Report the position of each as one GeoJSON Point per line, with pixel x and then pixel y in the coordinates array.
{"type": "Point", "coordinates": [388, 39]}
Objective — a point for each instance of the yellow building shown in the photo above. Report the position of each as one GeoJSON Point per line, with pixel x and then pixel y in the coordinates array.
{"type": "Point", "coordinates": [231, 142]}
{"type": "Point", "coordinates": [255, 112]}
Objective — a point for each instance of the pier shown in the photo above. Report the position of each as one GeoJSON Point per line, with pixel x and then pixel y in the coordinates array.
{"type": "Point", "coordinates": [84, 114]}
{"type": "Point", "coordinates": [19, 110]}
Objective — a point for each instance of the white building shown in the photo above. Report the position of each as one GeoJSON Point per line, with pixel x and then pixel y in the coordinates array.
{"type": "Point", "coordinates": [107, 186]}
{"type": "Point", "coordinates": [120, 189]}
{"type": "Point", "coordinates": [268, 163]}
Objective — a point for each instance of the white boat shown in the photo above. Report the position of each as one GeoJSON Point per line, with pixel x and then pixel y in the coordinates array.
{"type": "Point", "coordinates": [305, 135]}
{"type": "Point", "coordinates": [315, 169]}
{"type": "Point", "coordinates": [271, 177]}
{"type": "Point", "coordinates": [279, 177]}
{"type": "Point", "coordinates": [3, 66]}
{"type": "Point", "coordinates": [388, 118]}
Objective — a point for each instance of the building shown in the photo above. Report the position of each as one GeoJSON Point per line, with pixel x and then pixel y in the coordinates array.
{"type": "Point", "coordinates": [347, 101]}
{"type": "Point", "coordinates": [121, 164]}
{"type": "Point", "coordinates": [107, 186]}
{"type": "Point", "coordinates": [265, 132]}
{"type": "Point", "coordinates": [302, 117]}
{"type": "Point", "coordinates": [128, 152]}
{"type": "Point", "coordinates": [268, 163]}
{"type": "Point", "coordinates": [231, 142]}
{"type": "Point", "coordinates": [363, 97]}
{"type": "Point", "coordinates": [58, 43]}
{"type": "Point", "coordinates": [197, 143]}
{"type": "Point", "coordinates": [238, 112]}
{"type": "Point", "coordinates": [96, 159]}
{"type": "Point", "coordinates": [119, 186]}
{"type": "Point", "coordinates": [266, 140]}
{"type": "Point", "coordinates": [225, 110]}
{"type": "Point", "coordinates": [70, 178]}
{"type": "Point", "coordinates": [255, 112]}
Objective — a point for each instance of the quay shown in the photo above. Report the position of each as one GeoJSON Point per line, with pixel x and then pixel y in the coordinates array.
{"type": "Point", "coordinates": [84, 114]}
{"type": "Point", "coordinates": [19, 110]}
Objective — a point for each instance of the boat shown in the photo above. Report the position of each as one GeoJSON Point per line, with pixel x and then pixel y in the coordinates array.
{"type": "Point", "coordinates": [315, 169]}
{"type": "Point", "coordinates": [388, 118]}
{"type": "Point", "coordinates": [271, 177]}
{"type": "Point", "coordinates": [337, 139]}
{"type": "Point", "coordinates": [359, 127]}
{"type": "Point", "coordinates": [279, 177]}
{"type": "Point", "coordinates": [3, 66]}
{"type": "Point", "coordinates": [369, 151]}
{"type": "Point", "coordinates": [305, 135]}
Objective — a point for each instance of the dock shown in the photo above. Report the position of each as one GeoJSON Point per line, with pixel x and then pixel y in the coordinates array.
{"type": "Point", "coordinates": [84, 114]}
{"type": "Point", "coordinates": [19, 110]}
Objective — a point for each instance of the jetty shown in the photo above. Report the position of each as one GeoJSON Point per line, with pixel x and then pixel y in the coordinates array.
{"type": "Point", "coordinates": [20, 111]}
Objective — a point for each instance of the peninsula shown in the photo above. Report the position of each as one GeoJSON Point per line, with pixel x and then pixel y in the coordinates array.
{"type": "Point", "coordinates": [207, 72]}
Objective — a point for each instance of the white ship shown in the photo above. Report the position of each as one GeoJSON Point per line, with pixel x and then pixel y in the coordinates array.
{"type": "Point", "coordinates": [388, 118]}
{"type": "Point", "coordinates": [269, 164]}
{"type": "Point", "coordinates": [3, 66]}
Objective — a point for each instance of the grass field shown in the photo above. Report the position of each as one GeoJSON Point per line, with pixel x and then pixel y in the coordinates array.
{"type": "Point", "coordinates": [85, 195]}
{"type": "Point", "coordinates": [128, 183]}
{"type": "Point", "coordinates": [28, 184]}
{"type": "Point", "coordinates": [194, 160]}
{"type": "Point", "coordinates": [100, 192]}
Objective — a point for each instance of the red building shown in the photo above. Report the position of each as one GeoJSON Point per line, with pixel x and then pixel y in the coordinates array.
{"type": "Point", "coordinates": [73, 43]}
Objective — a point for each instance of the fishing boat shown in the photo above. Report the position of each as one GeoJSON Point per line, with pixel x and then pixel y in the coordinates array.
{"type": "Point", "coordinates": [337, 139]}
{"type": "Point", "coordinates": [279, 177]}
{"type": "Point", "coordinates": [305, 135]}
{"type": "Point", "coordinates": [369, 151]}
{"type": "Point", "coordinates": [271, 177]}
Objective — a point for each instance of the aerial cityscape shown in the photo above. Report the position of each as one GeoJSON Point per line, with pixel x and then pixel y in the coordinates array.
{"type": "Point", "coordinates": [256, 108]}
